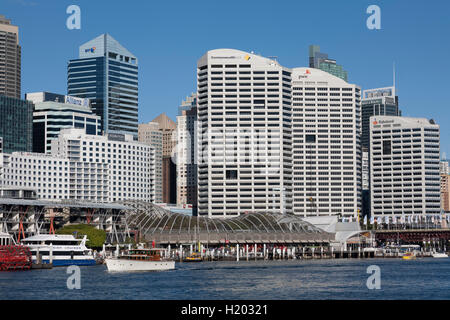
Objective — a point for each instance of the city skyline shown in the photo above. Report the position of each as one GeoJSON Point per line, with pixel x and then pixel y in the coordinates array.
{"type": "Point", "coordinates": [167, 53]}
{"type": "Point", "coordinates": [290, 150]}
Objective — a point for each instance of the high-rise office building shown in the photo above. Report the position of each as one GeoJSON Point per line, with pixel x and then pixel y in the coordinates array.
{"type": "Point", "coordinates": [168, 128]}
{"type": "Point", "coordinates": [107, 74]}
{"type": "Point", "coordinates": [320, 60]}
{"type": "Point", "coordinates": [187, 130]}
{"type": "Point", "coordinates": [169, 181]}
{"type": "Point", "coordinates": [10, 59]}
{"type": "Point", "coordinates": [244, 110]}
{"type": "Point", "coordinates": [377, 102]}
{"type": "Point", "coordinates": [167, 133]}
{"type": "Point", "coordinates": [54, 112]}
{"type": "Point", "coordinates": [326, 131]}
{"type": "Point", "coordinates": [188, 103]}
{"type": "Point", "coordinates": [404, 175]}
{"type": "Point", "coordinates": [16, 124]}
{"type": "Point", "coordinates": [150, 134]}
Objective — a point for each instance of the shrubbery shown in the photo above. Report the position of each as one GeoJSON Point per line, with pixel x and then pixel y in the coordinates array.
{"type": "Point", "coordinates": [96, 237]}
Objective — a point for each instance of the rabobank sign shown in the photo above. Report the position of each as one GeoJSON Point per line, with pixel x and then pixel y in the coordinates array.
{"type": "Point", "coordinates": [77, 101]}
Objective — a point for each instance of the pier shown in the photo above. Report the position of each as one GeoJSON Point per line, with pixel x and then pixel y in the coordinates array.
{"type": "Point", "coordinates": [261, 252]}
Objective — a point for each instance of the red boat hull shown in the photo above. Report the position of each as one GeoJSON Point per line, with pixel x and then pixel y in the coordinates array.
{"type": "Point", "coordinates": [14, 258]}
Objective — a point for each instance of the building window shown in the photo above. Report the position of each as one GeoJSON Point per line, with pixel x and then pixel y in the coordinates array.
{"type": "Point", "coordinates": [387, 147]}
{"type": "Point", "coordinates": [231, 175]}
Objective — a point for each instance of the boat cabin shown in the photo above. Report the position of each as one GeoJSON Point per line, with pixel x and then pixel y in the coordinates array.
{"type": "Point", "coordinates": [56, 240]}
{"type": "Point", "coordinates": [142, 254]}
{"type": "Point", "coordinates": [6, 239]}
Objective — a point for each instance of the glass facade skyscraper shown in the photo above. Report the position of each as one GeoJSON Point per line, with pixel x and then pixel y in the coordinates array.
{"type": "Point", "coordinates": [107, 74]}
{"type": "Point", "coordinates": [377, 102]}
{"type": "Point", "coordinates": [321, 61]}
{"type": "Point", "coordinates": [16, 124]}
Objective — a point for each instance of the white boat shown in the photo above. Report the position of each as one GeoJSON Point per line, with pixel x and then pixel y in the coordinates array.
{"type": "Point", "coordinates": [62, 250]}
{"type": "Point", "coordinates": [439, 255]}
{"type": "Point", "coordinates": [139, 260]}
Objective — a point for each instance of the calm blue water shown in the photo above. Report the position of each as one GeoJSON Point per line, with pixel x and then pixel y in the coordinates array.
{"type": "Point", "coordinates": [318, 279]}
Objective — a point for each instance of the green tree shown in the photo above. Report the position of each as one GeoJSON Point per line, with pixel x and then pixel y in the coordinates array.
{"type": "Point", "coordinates": [95, 236]}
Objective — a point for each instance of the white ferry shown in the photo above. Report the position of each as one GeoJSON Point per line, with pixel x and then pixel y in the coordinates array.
{"type": "Point", "coordinates": [65, 250]}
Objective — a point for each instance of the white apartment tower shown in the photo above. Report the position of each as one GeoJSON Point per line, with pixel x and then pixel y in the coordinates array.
{"type": "Point", "coordinates": [404, 178]}
{"type": "Point", "coordinates": [50, 176]}
{"type": "Point", "coordinates": [245, 156]}
{"type": "Point", "coordinates": [150, 134]}
{"type": "Point", "coordinates": [326, 144]}
{"type": "Point", "coordinates": [186, 150]}
{"type": "Point", "coordinates": [131, 164]}
{"type": "Point", "coordinates": [181, 156]}
{"type": "Point", "coordinates": [85, 168]}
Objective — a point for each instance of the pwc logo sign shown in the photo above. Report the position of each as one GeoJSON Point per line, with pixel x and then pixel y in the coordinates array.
{"type": "Point", "coordinates": [91, 50]}
{"type": "Point", "coordinates": [305, 75]}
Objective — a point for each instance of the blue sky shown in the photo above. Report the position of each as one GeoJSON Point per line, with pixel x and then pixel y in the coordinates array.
{"type": "Point", "coordinates": [169, 37]}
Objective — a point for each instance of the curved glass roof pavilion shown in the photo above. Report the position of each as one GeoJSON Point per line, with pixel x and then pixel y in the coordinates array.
{"type": "Point", "coordinates": [164, 226]}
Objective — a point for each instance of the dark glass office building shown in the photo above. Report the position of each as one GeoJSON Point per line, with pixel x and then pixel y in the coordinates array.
{"type": "Point", "coordinates": [107, 74]}
{"type": "Point", "coordinates": [377, 102]}
{"type": "Point", "coordinates": [320, 60]}
{"type": "Point", "coordinates": [16, 124]}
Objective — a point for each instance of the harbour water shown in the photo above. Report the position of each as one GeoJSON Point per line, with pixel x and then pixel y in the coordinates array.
{"type": "Point", "coordinates": [259, 280]}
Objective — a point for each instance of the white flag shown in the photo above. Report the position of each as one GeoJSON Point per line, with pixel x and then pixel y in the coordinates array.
{"type": "Point", "coordinates": [365, 220]}
{"type": "Point", "coordinates": [372, 220]}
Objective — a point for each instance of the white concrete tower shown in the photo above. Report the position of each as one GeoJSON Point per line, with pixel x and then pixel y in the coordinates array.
{"type": "Point", "coordinates": [245, 156]}
{"type": "Point", "coordinates": [404, 175]}
{"type": "Point", "coordinates": [326, 130]}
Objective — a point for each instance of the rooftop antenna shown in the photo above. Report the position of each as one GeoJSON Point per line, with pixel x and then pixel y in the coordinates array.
{"type": "Point", "coordinates": [393, 67]}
